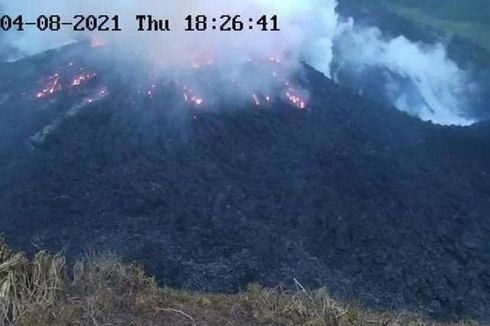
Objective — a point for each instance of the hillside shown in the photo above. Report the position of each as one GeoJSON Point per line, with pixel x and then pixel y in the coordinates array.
{"type": "Point", "coordinates": [348, 194]}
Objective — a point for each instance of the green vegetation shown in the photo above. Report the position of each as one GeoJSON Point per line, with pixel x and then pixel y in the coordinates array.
{"type": "Point", "coordinates": [104, 291]}
{"type": "Point", "coordinates": [467, 19]}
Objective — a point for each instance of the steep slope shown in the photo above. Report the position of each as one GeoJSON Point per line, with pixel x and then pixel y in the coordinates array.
{"type": "Point", "coordinates": [353, 195]}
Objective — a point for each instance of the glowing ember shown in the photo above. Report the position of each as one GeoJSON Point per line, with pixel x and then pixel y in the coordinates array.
{"type": "Point", "coordinates": [190, 98]}
{"type": "Point", "coordinates": [197, 100]}
{"type": "Point", "coordinates": [97, 96]}
{"type": "Point", "coordinates": [58, 81]}
{"type": "Point", "coordinates": [103, 91]}
{"type": "Point", "coordinates": [53, 86]}
{"type": "Point", "coordinates": [295, 99]}
{"type": "Point", "coordinates": [77, 81]}
{"type": "Point", "coordinates": [256, 99]}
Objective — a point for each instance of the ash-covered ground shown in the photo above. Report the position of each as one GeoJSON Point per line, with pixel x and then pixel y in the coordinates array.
{"type": "Point", "coordinates": [307, 181]}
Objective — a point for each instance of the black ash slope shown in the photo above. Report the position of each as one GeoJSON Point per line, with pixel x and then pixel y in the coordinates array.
{"type": "Point", "coordinates": [366, 200]}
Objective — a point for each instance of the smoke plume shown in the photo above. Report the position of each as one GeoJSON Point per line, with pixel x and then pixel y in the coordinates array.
{"type": "Point", "coordinates": [416, 78]}
{"type": "Point", "coordinates": [306, 32]}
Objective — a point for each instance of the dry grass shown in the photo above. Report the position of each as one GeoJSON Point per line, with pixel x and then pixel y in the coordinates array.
{"type": "Point", "coordinates": [103, 291]}
{"type": "Point", "coordinates": [25, 284]}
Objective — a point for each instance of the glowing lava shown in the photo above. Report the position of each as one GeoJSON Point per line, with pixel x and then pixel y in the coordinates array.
{"type": "Point", "coordinates": [198, 87]}
{"type": "Point", "coordinates": [53, 86]}
{"type": "Point", "coordinates": [97, 96]}
{"type": "Point", "coordinates": [59, 81]}
{"type": "Point", "coordinates": [295, 99]}
{"type": "Point", "coordinates": [190, 98]}
{"type": "Point", "coordinates": [78, 80]}
{"type": "Point", "coordinates": [256, 99]}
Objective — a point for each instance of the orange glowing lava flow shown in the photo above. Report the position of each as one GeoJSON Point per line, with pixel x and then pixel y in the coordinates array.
{"type": "Point", "coordinates": [295, 99]}
{"type": "Point", "coordinates": [77, 81]}
{"type": "Point", "coordinates": [53, 86]}
{"type": "Point", "coordinates": [57, 83]}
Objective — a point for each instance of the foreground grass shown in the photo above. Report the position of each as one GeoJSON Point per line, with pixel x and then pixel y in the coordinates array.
{"type": "Point", "coordinates": [103, 291]}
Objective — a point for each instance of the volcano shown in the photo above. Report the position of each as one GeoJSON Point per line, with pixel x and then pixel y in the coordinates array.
{"type": "Point", "coordinates": [312, 182]}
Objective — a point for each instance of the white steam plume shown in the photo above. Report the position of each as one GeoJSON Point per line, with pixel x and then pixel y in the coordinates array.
{"type": "Point", "coordinates": [307, 27]}
{"type": "Point", "coordinates": [438, 90]}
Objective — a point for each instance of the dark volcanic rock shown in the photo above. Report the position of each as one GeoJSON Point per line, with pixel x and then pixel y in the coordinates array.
{"type": "Point", "coordinates": [351, 195]}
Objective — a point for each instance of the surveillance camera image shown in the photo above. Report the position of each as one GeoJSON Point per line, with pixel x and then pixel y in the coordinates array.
{"type": "Point", "coordinates": [259, 162]}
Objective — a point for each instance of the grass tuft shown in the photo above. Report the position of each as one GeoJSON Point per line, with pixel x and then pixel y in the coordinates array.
{"type": "Point", "coordinates": [101, 290]}
{"type": "Point", "coordinates": [26, 284]}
